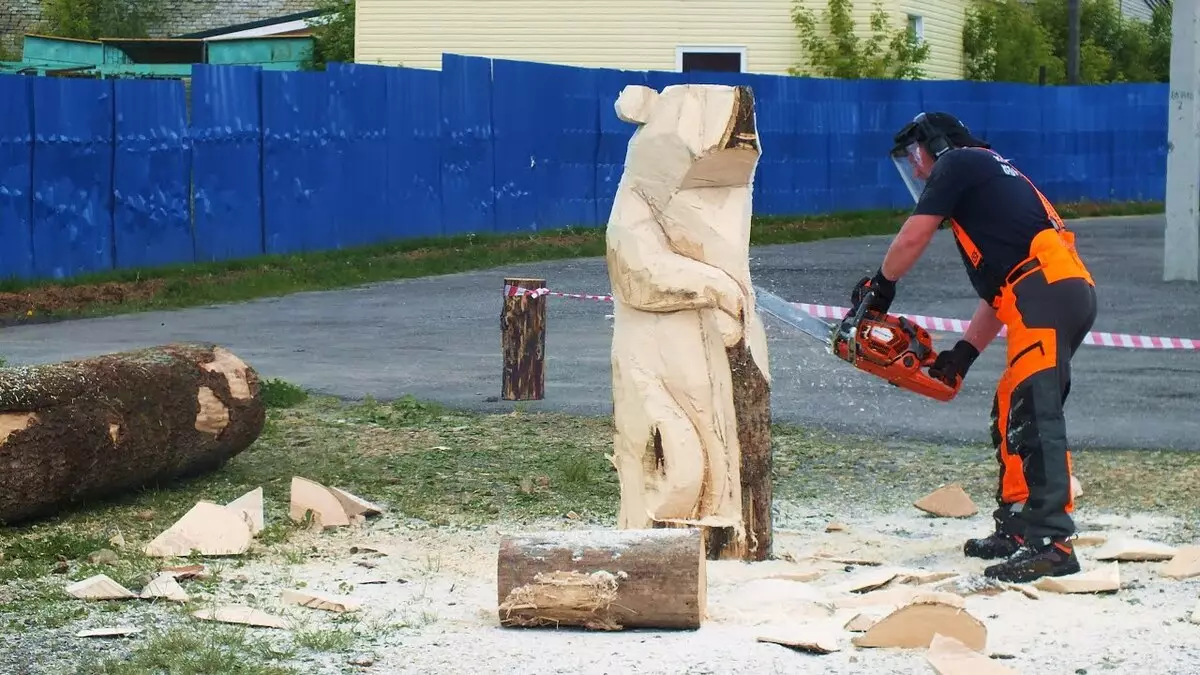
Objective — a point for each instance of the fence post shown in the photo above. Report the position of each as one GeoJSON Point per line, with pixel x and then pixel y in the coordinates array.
{"type": "Point", "coordinates": [523, 339]}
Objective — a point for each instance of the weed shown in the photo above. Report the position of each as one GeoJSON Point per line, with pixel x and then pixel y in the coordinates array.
{"type": "Point", "coordinates": [277, 393]}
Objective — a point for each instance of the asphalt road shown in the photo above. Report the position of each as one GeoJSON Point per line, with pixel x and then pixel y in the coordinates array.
{"type": "Point", "coordinates": [438, 338]}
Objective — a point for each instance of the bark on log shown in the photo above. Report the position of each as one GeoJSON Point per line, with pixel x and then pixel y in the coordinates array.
{"type": "Point", "coordinates": [523, 339]}
{"type": "Point", "coordinates": [603, 579]}
{"type": "Point", "coordinates": [94, 428]}
{"type": "Point", "coordinates": [691, 387]}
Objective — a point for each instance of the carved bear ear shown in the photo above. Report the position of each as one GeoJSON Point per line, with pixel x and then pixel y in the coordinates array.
{"type": "Point", "coordinates": [636, 103]}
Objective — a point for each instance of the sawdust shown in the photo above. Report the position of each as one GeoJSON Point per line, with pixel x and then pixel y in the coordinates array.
{"type": "Point", "coordinates": [439, 596]}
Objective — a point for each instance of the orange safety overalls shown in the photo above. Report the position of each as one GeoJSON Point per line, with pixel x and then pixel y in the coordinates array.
{"type": "Point", "coordinates": [1047, 304]}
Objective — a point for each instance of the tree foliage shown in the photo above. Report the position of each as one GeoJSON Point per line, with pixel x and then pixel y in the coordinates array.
{"type": "Point", "coordinates": [839, 51]}
{"type": "Point", "coordinates": [91, 19]}
{"type": "Point", "coordinates": [333, 34]}
{"type": "Point", "coordinates": [1010, 40]}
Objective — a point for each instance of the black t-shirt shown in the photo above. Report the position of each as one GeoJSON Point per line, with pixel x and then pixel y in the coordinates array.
{"type": "Point", "coordinates": [996, 207]}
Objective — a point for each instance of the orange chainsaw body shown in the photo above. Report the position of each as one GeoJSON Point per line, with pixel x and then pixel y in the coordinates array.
{"type": "Point", "coordinates": [895, 349]}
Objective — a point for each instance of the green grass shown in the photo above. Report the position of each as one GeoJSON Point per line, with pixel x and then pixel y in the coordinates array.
{"type": "Point", "coordinates": [202, 284]}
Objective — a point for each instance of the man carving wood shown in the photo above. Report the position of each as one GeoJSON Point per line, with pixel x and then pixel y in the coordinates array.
{"type": "Point", "coordinates": [689, 355]}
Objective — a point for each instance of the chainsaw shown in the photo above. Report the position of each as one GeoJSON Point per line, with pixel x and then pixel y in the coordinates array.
{"type": "Point", "coordinates": [885, 345]}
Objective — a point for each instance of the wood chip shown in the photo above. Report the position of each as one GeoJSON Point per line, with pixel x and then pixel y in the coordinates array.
{"type": "Point", "coordinates": [166, 587]}
{"type": "Point", "coordinates": [846, 559]}
{"type": "Point", "coordinates": [949, 656]}
{"type": "Point", "coordinates": [1086, 540]}
{"type": "Point", "coordinates": [835, 526]}
{"type": "Point", "coordinates": [913, 627]}
{"type": "Point", "coordinates": [250, 506]}
{"type": "Point", "coordinates": [327, 602]}
{"type": "Point", "coordinates": [208, 528]}
{"type": "Point", "coordinates": [354, 505]}
{"type": "Point", "coordinates": [949, 501]}
{"type": "Point", "coordinates": [863, 621]}
{"type": "Point", "coordinates": [1076, 488]}
{"type": "Point", "coordinates": [1195, 617]}
{"type": "Point", "coordinates": [1135, 550]}
{"type": "Point", "coordinates": [1104, 579]}
{"type": "Point", "coordinates": [1185, 564]}
{"type": "Point", "coordinates": [327, 510]}
{"type": "Point", "coordinates": [99, 587]}
{"type": "Point", "coordinates": [922, 577]}
{"type": "Point", "coordinates": [114, 631]}
{"type": "Point", "coordinates": [182, 572]}
{"type": "Point", "coordinates": [868, 580]}
{"type": "Point", "coordinates": [241, 614]}
{"type": "Point", "coordinates": [811, 638]}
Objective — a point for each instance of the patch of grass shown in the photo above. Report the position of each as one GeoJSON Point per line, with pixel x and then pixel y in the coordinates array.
{"type": "Point", "coordinates": [198, 650]}
{"type": "Point", "coordinates": [279, 394]}
{"type": "Point", "coordinates": [204, 284]}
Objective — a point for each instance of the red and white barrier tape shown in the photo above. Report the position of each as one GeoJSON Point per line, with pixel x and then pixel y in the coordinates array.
{"type": "Point", "coordinates": [932, 323]}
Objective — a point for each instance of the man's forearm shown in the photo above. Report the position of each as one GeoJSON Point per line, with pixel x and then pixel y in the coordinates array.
{"type": "Point", "coordinates": [984, 326]}
{"type": "Point", "coordinates": [910, 242]}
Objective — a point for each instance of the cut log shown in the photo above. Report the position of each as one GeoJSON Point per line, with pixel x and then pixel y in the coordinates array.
{"type": "Point", "coordinates": [691, 385]}
{"type": "Point", "coordinates": [523, 340]}
{"type": "Point", "coordinates": [602, 579]}
{"type": "Point", "coordinates": [82, 430]}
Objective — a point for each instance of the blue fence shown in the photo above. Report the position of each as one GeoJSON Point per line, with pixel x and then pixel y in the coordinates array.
{"type": "Point", "coordinates": [113, 174]}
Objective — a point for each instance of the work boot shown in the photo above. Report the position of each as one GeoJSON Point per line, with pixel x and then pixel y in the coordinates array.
{"type": "Point", "coordinates": [1004, 541]}
{"type": "Point", "coordinates": [1044, 557]}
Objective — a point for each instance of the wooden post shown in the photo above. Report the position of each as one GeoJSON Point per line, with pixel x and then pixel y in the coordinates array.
{"type": "Point", "coordinates": [523, 339]}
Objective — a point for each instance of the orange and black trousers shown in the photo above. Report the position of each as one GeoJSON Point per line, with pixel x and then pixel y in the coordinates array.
{"type": "Point", "coordinates": [1048, 305]}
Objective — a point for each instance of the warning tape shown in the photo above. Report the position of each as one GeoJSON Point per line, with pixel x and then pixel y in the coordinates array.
{"type": "Point", "coordinates": [933, 323]}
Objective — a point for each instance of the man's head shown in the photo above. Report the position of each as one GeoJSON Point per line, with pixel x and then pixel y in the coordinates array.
{"type": "Point", "coordinates": [923, 141]}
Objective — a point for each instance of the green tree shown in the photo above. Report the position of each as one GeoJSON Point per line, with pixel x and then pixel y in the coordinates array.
{"type": "Point", "coordinates": [333, 34]}
{"type": "Point", "coordinates": [91, 19]}
{"type": "Point", "coordinates": [1004, 42]}
{"type": "Point", "coordinates": [1112, 48]}
{"type": "Point", "coordinates": [889, 53]}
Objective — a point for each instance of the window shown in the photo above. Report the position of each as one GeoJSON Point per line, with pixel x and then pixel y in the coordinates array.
{"type": "Point", "coordinates": [916, 27]}
{"type": "Point", "coordinates": [711, 59]}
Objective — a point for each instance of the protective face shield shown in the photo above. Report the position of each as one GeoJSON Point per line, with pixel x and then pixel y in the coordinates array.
{"type": "Point", "coordinates": [913, 164]}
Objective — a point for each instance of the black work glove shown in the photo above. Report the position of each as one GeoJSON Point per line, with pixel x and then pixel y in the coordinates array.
{"type": "Point", "coordinates": [877, 292]}
{"type": "Point", "coordinates": [954, 363]}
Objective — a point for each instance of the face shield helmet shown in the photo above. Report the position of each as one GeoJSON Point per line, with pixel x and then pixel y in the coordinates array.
{"type": "Point", "coordinates": [912, 162]}
{"type": "Point", "coordinates": [921, 142]}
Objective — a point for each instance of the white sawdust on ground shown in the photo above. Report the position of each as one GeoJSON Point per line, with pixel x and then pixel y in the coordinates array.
{"type": "Point", "coordinates": [442, 617]}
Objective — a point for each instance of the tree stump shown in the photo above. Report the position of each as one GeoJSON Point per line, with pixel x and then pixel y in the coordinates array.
{"type": "Point", "coordinates": [691, 386]}
{"type": "Point", "coordinates": [603, 579]}
{"type": "Point", "coordinates": [93, 428]}
{"type": "Point", "coordinates": [523, 339]}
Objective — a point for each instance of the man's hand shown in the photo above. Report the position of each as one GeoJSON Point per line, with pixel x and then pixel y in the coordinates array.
{"type": "Point", "coordinates": [954, 363]}
{"type": "Point", "coordinates": [877, 292]}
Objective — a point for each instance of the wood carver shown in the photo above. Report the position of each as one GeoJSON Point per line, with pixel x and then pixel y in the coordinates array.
{"type": "Point", "coordinates": [689, 355]}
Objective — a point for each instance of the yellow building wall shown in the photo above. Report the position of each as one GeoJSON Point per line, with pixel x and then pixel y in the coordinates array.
{"type": "Point", "coordinates": [629, 34]}
{"type": "Point", "coordinates": [943, 25]}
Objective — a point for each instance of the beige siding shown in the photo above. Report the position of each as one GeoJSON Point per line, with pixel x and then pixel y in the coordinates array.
{"type": "Point", "coordinates": [943, 23]}
{"type": "Point", "coordinates": [633, 34]}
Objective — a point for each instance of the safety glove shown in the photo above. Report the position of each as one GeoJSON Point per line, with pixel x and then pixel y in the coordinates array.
{"type": "Point", "coordinates": [877, 292]}
{"type": "Point", "coordinates": [953, 363]}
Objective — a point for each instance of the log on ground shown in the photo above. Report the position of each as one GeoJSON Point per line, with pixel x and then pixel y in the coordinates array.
{"type": "Point", "coordinates": [603, 579]}
{"type": "Point", "coordinates": [88, 429]}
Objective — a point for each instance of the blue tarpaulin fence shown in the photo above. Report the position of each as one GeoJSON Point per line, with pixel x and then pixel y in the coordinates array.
{"type": "Point", "coordinates": [113, 174]}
